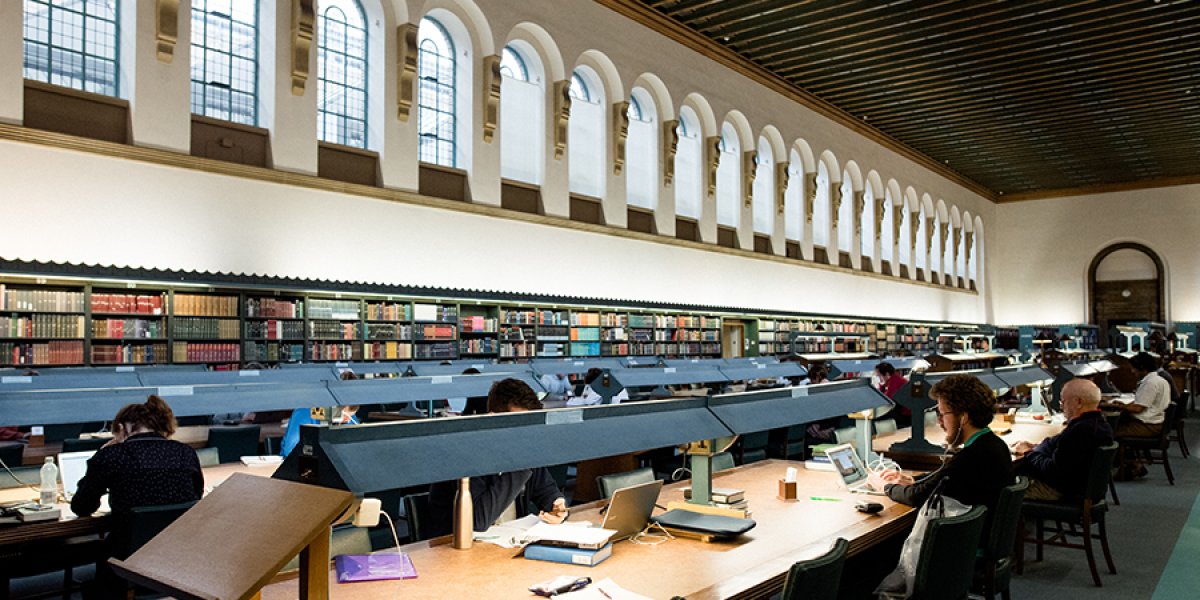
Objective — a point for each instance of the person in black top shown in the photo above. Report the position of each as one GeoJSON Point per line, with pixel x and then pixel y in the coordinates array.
{"type": "Point", "coordinates": [977, 472]}
{"type": "Point", "coordinates": [1058, 467]}
{"type": "Point", "coordinates": [492, 494]}
{"type": "Point", "coordinates": [138, 467]}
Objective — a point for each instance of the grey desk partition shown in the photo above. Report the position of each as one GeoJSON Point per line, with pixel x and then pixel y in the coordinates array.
{"type": "Point", "coordinates": [57, 406]}
{"type": "Point", "coordinates": [384, 456]}
{"type": "Point", "coordinates": [79, 371]}
{"type": "Point", "coordinates": [693, 363]}
{"type": "Point", "coordinates": [434, 369]}
{"type": "Point", "coordinates": [419, 389]}
{"type": "Point", "coordinates": [1023, 375]}
{"type": "Point", "coordinates": [165, 378]}
{"type": "Point", "coordinates": [632, 378]}
{"type": "Point", "coordinates": [985, 375]}
{"type": "Point", "coordinates": [905, 363]}
{"type": "Point", "coordinates": [640, 361]}
{"type": "Point", "coordinates": [211, 399]}
{"type": "Point", "coordinates": [748, 360]}
{"type": "Point", "coordinates": [764, 371]}
{"type": "Point", "coordinates": [577, 366]}
{"type": "Point", "coordinates": [95, 380]}
{"type": "Point", "coordinates": [783, 407]}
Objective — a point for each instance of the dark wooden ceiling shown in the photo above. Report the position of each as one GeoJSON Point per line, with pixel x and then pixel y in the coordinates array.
{"type": "Point", "coordinates": [1019, 96]}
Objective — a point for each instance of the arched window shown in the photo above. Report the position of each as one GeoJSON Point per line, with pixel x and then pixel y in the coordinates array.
{"type": "Point", "coordinates": [73, 44]}
{"type": "Point", "coordinates": [793, 196]}
{"type": "Point", "coordinates": [342, 73]}
{"type": "Point", "coordinates": [689, 180]}
{"type": "Point", "coordinates": [729, 178]}
{"type": "Point", "coordinates": [846, 215]}
{"type": "Point", "coordinates": [641, 148]}
{"type": "Point", "coordinates": [522, 106]}
{"type": "Point", "coordinates": [764, 188]}
{"type": "Point", "coordinates": [821, 207]}
{"type": "Point", "coordinates": [586, 136]}
{"type": "Point", "coordinates": [512, 65]}
{"type": "Point", "coordinates": [973, 252]}
{"type": "Point", "coordinates": [866, 224]}
{"type": "Point", "coordinates": [436, 115]}
{"type": "Point", "coordinates": [225, 60]}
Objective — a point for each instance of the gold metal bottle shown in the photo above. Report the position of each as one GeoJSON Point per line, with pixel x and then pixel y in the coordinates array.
{"type": "Point", "coordinates": [464, 515]}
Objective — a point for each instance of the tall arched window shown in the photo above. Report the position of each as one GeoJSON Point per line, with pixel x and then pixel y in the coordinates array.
{"type": "Point", "coordinates": [905, 243]}
{"type": "Point", "coordinates": [689, 180]}
{"type": "Point", "coordinates": [793, 196]}
{"type": "Point", "coordinates": [586, 138]}
{"type": "Point", "coordinates": [342, 73]}
{"type": "Point", "coordinates": [225, 60]}
{"type": "Point", "coordinates": [436, 72]}
{"type": "Point", "coordinates": [522, 106]}
{"type": "Point", "coordinates": [73, 44]}
{"type": "Point", "coordinates": [846, 215]}
{"type": "Point", "coordinates": [729, 178]}
{"type": "Point", "coordinates": [821, 207]}
{"type": "Point", "coordinates": [866, 224]}
{"type": "Point", "coordinates": [764, 188]}
{"type": "Point", "coordinates": [641, 148]}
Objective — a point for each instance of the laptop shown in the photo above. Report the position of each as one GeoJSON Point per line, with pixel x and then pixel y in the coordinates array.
{"type": "Point", "coordinates": [630, 509]}
{"type": "Point", "coordinates": [851, 470]}
{"type": "Point", "coordinates": [71, 468]}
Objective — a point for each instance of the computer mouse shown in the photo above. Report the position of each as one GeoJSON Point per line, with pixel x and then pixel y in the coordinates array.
{"type": "Point", "coordinates": [869, 507]}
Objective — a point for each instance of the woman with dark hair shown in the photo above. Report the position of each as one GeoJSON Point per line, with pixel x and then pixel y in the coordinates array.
{"type": "Point", "coordinates": [138, 467]}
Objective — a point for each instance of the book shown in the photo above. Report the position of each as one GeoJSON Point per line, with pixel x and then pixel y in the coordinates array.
{"type": "Point", "coordinates": [570, 556]}
{"type": "Point", "coordinates": [373, 567]}
{"type": "Point", "coordinates": [722, 495]}
{"type": "Point", "coordinates": [569, 535]}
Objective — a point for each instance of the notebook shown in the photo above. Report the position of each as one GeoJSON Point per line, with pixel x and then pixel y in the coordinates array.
{"type": "Point", "coordinates": [373, 567]}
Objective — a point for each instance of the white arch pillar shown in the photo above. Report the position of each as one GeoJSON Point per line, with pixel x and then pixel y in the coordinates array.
{"type": "Point", "coordinates": [160, 98]}
{"type": "Point", "coordinates": [12, 59]}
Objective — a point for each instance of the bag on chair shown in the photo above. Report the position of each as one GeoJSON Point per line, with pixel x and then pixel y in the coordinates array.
{"type": "Point", "coordinates": [899, 583]}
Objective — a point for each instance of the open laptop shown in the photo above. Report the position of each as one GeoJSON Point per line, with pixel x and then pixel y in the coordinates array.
{"type": "Point", "coordinates": [630, 509]}
{"type": "Point", "coordinates": [850, 468]}
{"type": "Point", "coordinates": [71, 467]}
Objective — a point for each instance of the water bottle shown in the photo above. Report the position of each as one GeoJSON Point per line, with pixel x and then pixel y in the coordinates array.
{"type": "Point", "coordinates": [49, 487]}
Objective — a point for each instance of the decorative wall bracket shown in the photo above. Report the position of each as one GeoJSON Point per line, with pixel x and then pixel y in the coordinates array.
{"type": "Point", "coordinates": [406, 69]}
{"type": "Point", "coordinates": [914, 221]}
{"type": "Point", "coordinates": [880, 205]}
{"type": "Point", "coordinates": [810, 195]}
{"type": "Point", "coordinates": [860, 208]}
{"type": "Point", "coordinates": [166, 29]}
{"type": "Point", "coordinates": [303, 20]}
{"type": "Point", "coordinates": [620, 120]}
{"type": "Point", "coordinates": [713, 144]}
{"type": "Point", "coordinates": [835, 209]}
{"type": "Point", "coordinates": [897, 222]}
{"type": "Point", "coordinates": [781, 183]}
{"type": "Point", "coordinates": [670, 147]}
{"type": "Point", "coordinates": [491, 96]}
{"type": "Point", "coordinates": [930, 230]}
{"type": "Point", "coordinates": [749, 172]}
{"type": "Point", "coordinates": [562, 117]}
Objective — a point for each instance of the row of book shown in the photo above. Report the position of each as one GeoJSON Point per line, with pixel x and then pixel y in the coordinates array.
{"type": "Point", "coordinates": [687, 335]}
{"type": "Point", "coordinates": [202, 305]}
{"type": "Point", "coordinates": [325, 308]}
{"type": "Point", "coordinates": [335, 351]}
{"type": "Point", "coordinates": [585, 349]}
{"type": "Point", "coordinates": [128, 329]}
{"type": "Point", "coordinates": [819, 346]}
{"type": "Point", "coordinates": [520, 350]}
{"type": "Point", "coordinates": [479, 346]}
{"type": "Point", "coordinates": [129, 354]}
{"type": "Point", "coordinates": [49, 353]}
{"type": "Point", "coordinates": [272, 329]}
{"type": "Point", "coordinates": [553, 333]}
{"type": "Point", "coordinates": [386, 350]}
{"type": "Point", "coordinates": [616, 334]}
{"type": "Point", "coordinates": [274, 308]}
{"type": "Point", "coordinates": [185, 352]}
{"type": "Point", "coordinates": [272, 352]}
{"type": "Point", "coordinates": [440, 350]}
{"type": "Point", "coordinates": [389, 331]}
{"type": "Point", "coordinates": [389, 311]}
{"type": "Point", "coordinates": [205, 329]}
{"type": "Point", "coordinates": [434, 332]}
{"type": "Point", "coordinates": [518, 317]}
{"type": "Point", "coordinates": [444, 313]}
{"type": "Point", "coordinates": [516, 334]}
{"type": "Point", "coordinates": [42, 326]}
{"type": "Point", "coordinates": [333, 330]}
{"type": "Point", "coordinates": [586, 334]}
{"type": "Point", "coordinates": [40, 300]}
{"type": "Point", "coordinates": [584, 319]}
{"type": "Point", "coordinates": [478, 324]}
{"type": "Point", "coordinates": [142, 304]}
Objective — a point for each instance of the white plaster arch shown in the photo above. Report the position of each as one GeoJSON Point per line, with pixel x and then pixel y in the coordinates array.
{"type": "Point", "coordinates": [471, 18]}
{"type": "Point", "coordinates": [658, 91]}
{"type": "Point", "coordinates": [703, 110]}
{"type": "Point", "coordinates": [604, 68]}
{"type": "Point", "coordinates": [544, 45]}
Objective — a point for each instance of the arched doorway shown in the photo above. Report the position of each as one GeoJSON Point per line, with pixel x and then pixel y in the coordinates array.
{"type": "Point", "coordinates": [1125, 284]}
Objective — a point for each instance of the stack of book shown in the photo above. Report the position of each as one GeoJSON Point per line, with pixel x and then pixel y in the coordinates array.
{"type": "Point", "coordinates": [728, 498]}
{"type": "Point", "coordinates": [569, 543]}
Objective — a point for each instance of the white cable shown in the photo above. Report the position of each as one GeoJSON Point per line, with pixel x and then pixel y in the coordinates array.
{"type": "Point", "coordinates": [655, 538]}
{"type": "Point", "coordinates": [392, 525]}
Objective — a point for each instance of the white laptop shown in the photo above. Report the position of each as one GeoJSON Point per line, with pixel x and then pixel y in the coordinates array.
{"type": "Point", "coordinates": [851, 470]}
{"type": "Point", "coordinates": [71, 468]}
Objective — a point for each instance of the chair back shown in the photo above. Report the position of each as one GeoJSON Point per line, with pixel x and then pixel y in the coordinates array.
{"type": "Point", "coordinates": [345, 539]}
{"type": "Point", "coordinates": [24, 476]}
{"type": "Point", "coordinates": [754, 446]}
{"type": "Point", "coordinates": [1004, 521]}
{"type": "Point", "coordinates": [722, 461]}
{"type": "Point", "coordinates": [141, 524]}
{"type": "Point", "coordinates": [819, 578]}
{"type": "Point", "coordinates": [416, 511]}
{"type": "Point", "coordinates": [608, 484]}
{"type": "Point", "coordinates": [82, 444]}
{"type": "Point", "coordinates": [844, 435]}
{"type": "Point", "coordinates": [885, 426]}
{"type": "Point", "coordinates": [946, 565]}
{"type": "Point", "coordinates": [1100, 472]}
{"type": "Point", "coordinates": [1168, 425]}
{"type": "Point", "coordinates": [234, 442]}
{"type": "Point", "coordinates": [12, 453]}
{"type": "Point", "coordinates": [209, 457]}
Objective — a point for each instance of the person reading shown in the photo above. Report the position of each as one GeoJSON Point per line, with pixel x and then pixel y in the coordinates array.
{"type": "Point", "coordinates": [1058, 467]}
{"type": "Point", "coordinates": [492, 495]}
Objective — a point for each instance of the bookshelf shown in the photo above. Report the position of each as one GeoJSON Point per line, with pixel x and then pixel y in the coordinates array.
{"type": "Point", "coordinates": [479, 331]}
{"type": "Point", "coordinates": [614, 334]}
{"type": "Point", "coordinates": [585, 333]}
{"type": "Point", "coordinates": [41, 326]}
{"type": "Point", "coordinates": [517, 333]}
{"type": "Point", "coordinates": [128, 328]}
{"type": "Point", "coordinates": [553, 332]}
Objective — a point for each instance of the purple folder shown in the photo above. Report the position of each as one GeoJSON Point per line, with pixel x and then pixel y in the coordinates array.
{"type": "Point", "coordinates": [373, 567]}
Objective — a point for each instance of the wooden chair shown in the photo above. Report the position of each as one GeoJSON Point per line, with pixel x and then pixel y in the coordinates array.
{"type": "Point", "coordinates": [993, 569]}
{"type": "Point", "coordinates": [1083, 512]}
{"type": "Point", "coordinates": [1154, 449]}
{"type": "Point", "coordinates": [234, 442]}
{"type": "Point", "coordinates": [416, 514]}
{"type": "Point", "coordinates": [947, 561]}
{"type": "Point", "coordinates": [753, 447]}
{"type": "Point", "coordinates": [818, 578]}
{"type": "Point", "coordinates": [1177, 433]}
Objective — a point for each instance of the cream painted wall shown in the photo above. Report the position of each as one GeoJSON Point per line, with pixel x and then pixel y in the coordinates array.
{"type": "Point", "coordinates": [1039, 272]}
{"type": "Point", "coordinates": [121, 212]}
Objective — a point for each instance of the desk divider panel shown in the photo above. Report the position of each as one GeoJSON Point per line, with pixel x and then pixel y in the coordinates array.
{"type": "Point", "coordinates": [574, 367]}
{"type": "Point", "coordinates": [1023, 375]}
{"type": "Point", "coordinates": [653, 377]}
{"type": "Point", "coordinates": [383, 456]}
{"type": "Point", "coordinates": [764, 371]}
{"type": "Point", "coordinates": [783, 407]}
{"type": "Point", "coordinates": [79, 380]}
{"type": "Point", "coordinates": [168, 378]}
{"type": "Point", "coordinates": [236, 539]}
{"type": "Point", "coordinates": [430, 369]}
{"type": "Point", "coordinates": [985, 375]}
{"type": "Point", "coordinates": [417, 389]}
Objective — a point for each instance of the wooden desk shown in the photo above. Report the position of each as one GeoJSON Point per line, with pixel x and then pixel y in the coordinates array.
{"type": "Point", "coordinates": [1030, 432]}
{"type": "Point", "coordinates": [753, 566]}
{"type": "Point", "coordinates": [195, 436]}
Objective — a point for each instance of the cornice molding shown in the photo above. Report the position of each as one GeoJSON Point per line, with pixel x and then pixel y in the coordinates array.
{"type": "Point", "coordinates": [1107, 188]}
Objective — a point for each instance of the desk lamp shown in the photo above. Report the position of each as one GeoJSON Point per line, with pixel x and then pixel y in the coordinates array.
{"type": "Point", "coordinates": [700, 462]}
{"type": "Point", "coordinates": [1066, 341]}
{"type": "Point", "coordinates": [606, 386]}
{"type": "Point", "coordinates": [915, 397]}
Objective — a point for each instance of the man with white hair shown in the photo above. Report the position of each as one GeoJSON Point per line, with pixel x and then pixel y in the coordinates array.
{"type": "Point", "coordinates": [1058, 467]}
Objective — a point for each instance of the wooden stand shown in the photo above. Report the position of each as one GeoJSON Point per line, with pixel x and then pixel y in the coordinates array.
{"type": "Point", "coordinates": [237, 538]}
{"type": "Point", "coordinates": [787, 490]}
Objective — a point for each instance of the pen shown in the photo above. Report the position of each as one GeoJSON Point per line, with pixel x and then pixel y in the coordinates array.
{"type": "Point", "coordinates": [824, 499]}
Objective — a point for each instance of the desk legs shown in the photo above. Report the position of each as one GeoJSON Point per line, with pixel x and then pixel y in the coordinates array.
{"type": "Point", "coordinates": [314, 568]}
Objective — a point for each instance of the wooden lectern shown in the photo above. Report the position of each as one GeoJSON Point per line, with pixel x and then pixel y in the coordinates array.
{"type": "Point", "coordinates": [237, 538]}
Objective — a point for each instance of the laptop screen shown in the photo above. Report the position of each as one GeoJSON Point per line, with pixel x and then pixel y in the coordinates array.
{"type": "Point", "coordinates": [848, 466]}
{"type": "Point", "coordinates": [71, 467]}
{"type": "Point", "coordinates": [630, 508]}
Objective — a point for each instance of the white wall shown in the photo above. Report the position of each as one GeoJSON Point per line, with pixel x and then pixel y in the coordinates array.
{"type": "Point", "coordinates": [177, 218]}
{"type": "Point", "coordinates": [1039, 267]}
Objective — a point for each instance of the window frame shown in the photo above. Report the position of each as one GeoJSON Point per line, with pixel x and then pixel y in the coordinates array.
{"type": "Point", "coordinates": [512, 53]}
{"type": "Point", "coordinates": [84, 56]}
{"type": "Point", "coordinates": [230, 55]}
{"type": "Point", "coordinates": [439, 88]}
{"type": "Point", "coordinates": [323, 50]}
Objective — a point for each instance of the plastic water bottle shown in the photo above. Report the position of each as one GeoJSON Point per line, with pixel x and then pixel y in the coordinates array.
{"type": "Point", "coordinates": [49, 487]}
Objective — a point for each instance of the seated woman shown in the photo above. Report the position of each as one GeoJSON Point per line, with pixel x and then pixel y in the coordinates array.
{"type": "Point", "coordinates": [138, 467]}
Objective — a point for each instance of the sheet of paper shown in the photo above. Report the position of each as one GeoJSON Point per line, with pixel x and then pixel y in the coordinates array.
{"type": "Point", "coordinates": [593, 536]}
{"type": "Point", "coordinates": [510, 534]}
{"type": "Point", "coordinates": [605, 589]}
